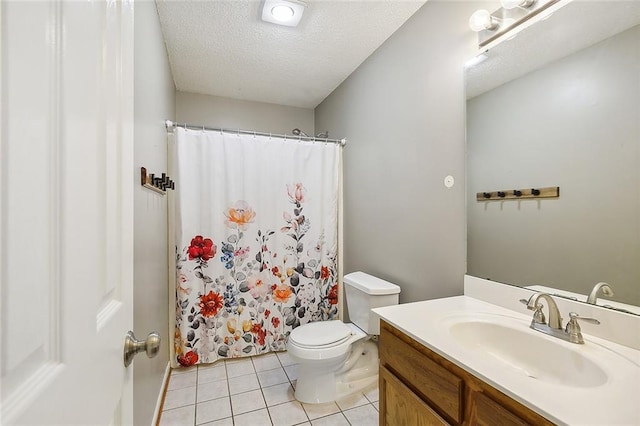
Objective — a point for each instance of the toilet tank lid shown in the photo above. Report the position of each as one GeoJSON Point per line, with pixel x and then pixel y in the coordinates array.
{"type": "Point", "coordinates": [370, 284]}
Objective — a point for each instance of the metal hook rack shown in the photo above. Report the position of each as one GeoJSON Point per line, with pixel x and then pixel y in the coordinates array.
{"type": "Point", "coordinates": [155, 183]}
{"type": "Point", "coordinates": [518, 194]}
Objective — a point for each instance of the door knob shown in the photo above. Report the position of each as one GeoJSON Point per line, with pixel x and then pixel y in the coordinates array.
{"type": "Point", "coordinates": [151, 345]}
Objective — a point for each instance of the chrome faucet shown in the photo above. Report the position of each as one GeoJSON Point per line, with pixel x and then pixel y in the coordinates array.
{"type": "Point", "coordinates": [600, 287]}
{"type": "Point", "coordinates": [571, 332]}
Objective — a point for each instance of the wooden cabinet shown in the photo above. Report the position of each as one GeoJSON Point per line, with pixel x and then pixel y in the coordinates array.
{"type": "Point", "coordinates": [420, 387]}
{"type": "Point", "coordinates": [402, 406]}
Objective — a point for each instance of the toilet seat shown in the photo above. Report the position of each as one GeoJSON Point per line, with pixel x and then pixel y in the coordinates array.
{"type": "Point", "coordinates": [321, 334]}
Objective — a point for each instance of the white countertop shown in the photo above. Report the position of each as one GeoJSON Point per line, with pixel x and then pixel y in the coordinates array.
{"type": "Point", "coordinates": [616, 401]}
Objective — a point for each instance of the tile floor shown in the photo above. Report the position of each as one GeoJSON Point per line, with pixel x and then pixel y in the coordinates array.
{"type": "Point", "coordinates": [256, 391]}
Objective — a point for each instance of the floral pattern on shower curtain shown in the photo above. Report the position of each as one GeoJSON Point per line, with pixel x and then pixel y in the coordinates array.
{"type": "Point", "coordinates": [256, 241]}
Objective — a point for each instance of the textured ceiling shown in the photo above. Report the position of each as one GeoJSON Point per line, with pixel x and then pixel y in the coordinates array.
{"type": "Point", "coordinates": [223, 48]}
{"type": "Point", "coordinates": [575, 26]}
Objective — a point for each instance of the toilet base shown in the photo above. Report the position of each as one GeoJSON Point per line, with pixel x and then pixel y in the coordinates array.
{"type": "Point", "coordinates": [317, 385]}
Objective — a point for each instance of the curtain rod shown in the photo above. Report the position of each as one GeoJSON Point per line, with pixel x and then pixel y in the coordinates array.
{"type": "Point", "coordinates": [171, 126]}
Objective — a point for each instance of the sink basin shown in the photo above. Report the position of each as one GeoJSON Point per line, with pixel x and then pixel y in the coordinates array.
{"type": "Point", "coordinates": [528, 352]}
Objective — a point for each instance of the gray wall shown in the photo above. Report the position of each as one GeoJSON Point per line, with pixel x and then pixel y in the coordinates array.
{"type": "Point", "coordinates": [154, 100]}
{"type": "Point", "coordinates": [574, 124]}
{"type": "Point", "coordinates": [403, 114]}
{"type": "Point", "coordinates": [216, 111]}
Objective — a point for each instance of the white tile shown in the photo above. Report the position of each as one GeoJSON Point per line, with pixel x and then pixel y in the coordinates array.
{"type": "Point", "coordinates": [224, 422]}
{"type": "Point", "coordinates": [334, 420]}
{"type": "Point", "coordinates": [285, 359]}
{"type": "Point", "coordinates": [239, 367]}
{"type": "Point", "coordinates": [216, 364]}
{"type": "Point", "coordinates": [253, 418]}
{"type": "Point", "coordinates": [242, 384]}
{"type": "Point", "coordinates": [179, 398]}
{"type": "Point", "coordinates": [274, 395]}
{"type": "Point", "coordinates": [320, 410]}
{"type": "Point", "coordinates": [215, 409]}
{"type": "Point", "coordinates": [181, 381]}
{"type": "Point", "coordinates": [272, 377]}
{"type": "Point", "coordinates": [304, 424]}
{"type": "Point", "coordinates": [182, 370]}
{"type": "Point", "coordinates": [376, 405]}
{"type": "Point", "coordinates": [352, 401]}
{"type": "Point", "coordinates": [372, 393]}
{"type": "Point", "coordinates": [266, 362]}
{"type": "Point", "coordinates": [248, 401]}
{"type": "Point", "coordinates": [293, 383]}
{"type": "Point", "coordinates": [287, 414]}
{"type": "Point", "coordinates": [292, 371]}
{"type": "Point", "coordinates": [212, 374]}
{"type": "Point", "coordinates": [365, 415]}
{"type": "Point", "coordinates": [178, 416]}
{"type": "Point", "coordinates": [213, 390]}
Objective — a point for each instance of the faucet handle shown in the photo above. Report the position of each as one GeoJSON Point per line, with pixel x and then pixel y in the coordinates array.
{"type": "Point", "coordinates": [573, 328]}
{"type": "Point", "coordinates": [574, 316]}
{"type": "Point", "coordinates": [538, 315]}
{"type": "Point", "coordinates": [530, 304]}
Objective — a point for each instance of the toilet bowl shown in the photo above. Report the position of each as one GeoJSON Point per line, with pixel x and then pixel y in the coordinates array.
{"type": "Point", "coordinates": [334, 358]}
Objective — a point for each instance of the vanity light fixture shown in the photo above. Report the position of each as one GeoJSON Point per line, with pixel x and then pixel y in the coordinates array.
{"type": "Point", "coordinates": [482, 20]}
{"type": "Point", "coordinates": [283, 12]}
{"type": "Point", "coordinates": [514, 16]}
{"type": "Point", "coordinates": [512, 4]}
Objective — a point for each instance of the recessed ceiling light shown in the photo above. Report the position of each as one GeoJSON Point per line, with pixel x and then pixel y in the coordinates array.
{"type": "Point", "coordinates": [283, 12]}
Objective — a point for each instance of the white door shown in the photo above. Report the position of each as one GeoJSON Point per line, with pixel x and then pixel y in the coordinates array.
{"type": "Point", "coordinates": [66, 211]}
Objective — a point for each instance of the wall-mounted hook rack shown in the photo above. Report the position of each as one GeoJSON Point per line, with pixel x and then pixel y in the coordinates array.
{"type": "Point", "coordinates": [155, 183]}
{"type": "Point", "coordinates": [519, 194]}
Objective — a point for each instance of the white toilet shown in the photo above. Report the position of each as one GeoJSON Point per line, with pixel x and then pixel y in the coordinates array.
{"type": "Point", "coordinates": [334, 358]}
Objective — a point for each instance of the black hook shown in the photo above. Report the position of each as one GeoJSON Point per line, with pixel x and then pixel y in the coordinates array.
{"type": "Point", "coordinates": [535, 191]}
{"type": "Point", "coordinates": [501, 194]}
{"type": "Point", "coordinates": [486, 195]}
{"type": "Point", "coordinates": [517, 193]}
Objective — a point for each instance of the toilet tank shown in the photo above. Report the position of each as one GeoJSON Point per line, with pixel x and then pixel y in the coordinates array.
{"type": "Point", "coordinates": [364, 292]}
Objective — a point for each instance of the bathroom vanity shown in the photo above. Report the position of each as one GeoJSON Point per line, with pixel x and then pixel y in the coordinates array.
{"type": "Point", "coordinates": [420, 387]}
{"type": "Point", "coordinates": [463, 361]}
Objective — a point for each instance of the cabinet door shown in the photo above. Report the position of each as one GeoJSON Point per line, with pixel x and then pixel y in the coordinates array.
{"type": "Point", "coordinates": [418, 367]}
{"type": "Point", "coordinates": [487, 412]}
{"type": "Point", "coordinates": [400, 406]}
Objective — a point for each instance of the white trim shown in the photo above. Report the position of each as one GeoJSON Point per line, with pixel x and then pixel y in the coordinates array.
{"type": "Point", "coordinates": [340, 237]}
{"type": "Point", "coordinates": [165, 383]}
{"type": "Point", "coordinates": [171, 252]}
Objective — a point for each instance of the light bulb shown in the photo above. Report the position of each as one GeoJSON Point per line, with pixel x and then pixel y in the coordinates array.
{"type": "Point", "coordinates": [282, 13]}
{"type": "Point", "coordinates": [481, 20]}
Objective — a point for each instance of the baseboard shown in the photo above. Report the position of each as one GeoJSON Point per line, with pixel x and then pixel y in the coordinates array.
{"type": "Point", "coordinates": [161, 395]}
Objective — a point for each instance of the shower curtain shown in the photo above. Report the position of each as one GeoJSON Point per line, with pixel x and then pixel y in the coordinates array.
{"type": "Point", "coordinates": [256, 240]}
